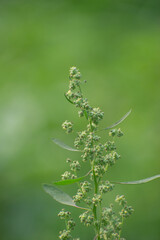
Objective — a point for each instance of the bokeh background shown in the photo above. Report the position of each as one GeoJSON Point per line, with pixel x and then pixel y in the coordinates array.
{"type": "Point", "coordinates": [116, 45]}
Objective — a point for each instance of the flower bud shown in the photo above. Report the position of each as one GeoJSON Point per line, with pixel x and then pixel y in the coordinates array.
{"type": "Point", "coordinates": [67, 126]}
{"type": "Point", "coordinates": [119, 133]}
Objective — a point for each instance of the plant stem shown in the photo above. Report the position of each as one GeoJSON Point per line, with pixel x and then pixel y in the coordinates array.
{"type": "Point", "coordinates": [121, 228]}
{"type": "Point", "coordinates": [95, 190]}
{"type": "Point", "coordinates": [94, 207]}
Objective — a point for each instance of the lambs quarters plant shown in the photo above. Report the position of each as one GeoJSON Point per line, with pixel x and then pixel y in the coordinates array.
{"type": "Point", "coordinates": [106, 222]}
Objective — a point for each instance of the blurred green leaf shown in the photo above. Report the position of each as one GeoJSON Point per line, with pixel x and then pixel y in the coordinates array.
{"type": "Point", "coordinates": [63, 145]}
{"type": "Point", "coordinates": [140, 181]}
{"type": "Point", "coordinates": [60, 196]}
{"type": "Point", "coordinates": [70, 181]}
{"type": "Point", "coordinates": [121, 120]}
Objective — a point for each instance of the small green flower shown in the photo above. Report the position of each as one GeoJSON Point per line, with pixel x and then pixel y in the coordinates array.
{"type": "Point", "coordinates": [65, 235]}
{"type": "Point", "coordinates": [74, 73]}
{"type": "Point", "coordinates": [80, 140]}
{"type": "Point", "coordinates": [71, 224]}
{"type": "Point", "coordinates": [106, 187]}
{"type": "Point", "coordinates": [70, 94]}
{"type": "Point", "coordinates": [64, 214]}
{"type": "Point", "coordinates": [126, 211]}
{"type": "Point", "coordinates": [81, 113]}
{"type": "Point", "coordinates": [88, 201]}
{"type": "Point", "coordinates": [119, 133]}
{"type": "Point", "coordinates": [110, 146]}
{"type": "Point", "coordinates": [79, 196]}
{"type": "Point", "coordinates": [66, 175]}
{"type": "Point", "coordinates": [87, 218]}
{"type": "Point", "coordinates": [99, 170]}
{"type": "Point", "coordinates": [67, 126]}
{"type": "Point", "coordinates": [112, 133]}
{"type": "Point", "coordinates": [68, 160]}
{"type": "Point", "coordinates": [121, 200]}
{"type": "Point", "coordinates": [96, 115]}
{"type": "Point", "coordinates": [96, 199]}
{"type": "Point", "coordinates": [85, 187]}
{"type": "Point", "coordinates": [75, 166]}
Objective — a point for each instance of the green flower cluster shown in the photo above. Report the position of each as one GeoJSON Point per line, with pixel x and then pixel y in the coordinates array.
{"type": "Point", "coordinates": [79, 141]}
{"type": "Point", "coordinates": [68, 175]}
{"type": "Point", "coordinates": [74, 95]}
{"type": "Point", "coordinates": [85, 187]}
{"type": "Point", "coordinates": [97, 198]}
{"type": "Point", "coordinates": [100, 156]}
{"type": "Point", "coordinates": [116, 132]}
{"type": "Point", "coordinates": [106, 187]}
{"type": "Point", "coordinates": [111, 223]}
{"type": "Point", "coordinates": [70, 224]}
{"type": "Point", "coordinates": [126, 210]}
{"type": "Point", "coordinates": [74, 167]}
{"type": "Point", "coordinates": [87, 218]}
{"type": "Point", "coordinates": [67, 126]}
{"type": "Point", "coordinates": [65, 235]}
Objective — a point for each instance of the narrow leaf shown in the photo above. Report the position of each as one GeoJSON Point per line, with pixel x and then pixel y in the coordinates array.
{"type": "Point", "coordinates": [68, 99]}
{"type": "Point", "coordinates": [140, 181]}
{"type": "Point", "coordinates": [70, 181]}
{"type": "Point", "coordinates": [86, 115]}
{"type": "Point", "coordinates": [60, 196]}
{"type": "Point", "coordinates": [63, 145]}
{"type": "Point", "coordinates": [121, 120]}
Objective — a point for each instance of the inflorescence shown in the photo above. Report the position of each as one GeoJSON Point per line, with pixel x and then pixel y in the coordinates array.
{"type": "Point", "coordinates": [101, 156]}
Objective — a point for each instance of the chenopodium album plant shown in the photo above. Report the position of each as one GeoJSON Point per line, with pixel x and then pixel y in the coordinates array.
{"type": "Point", "coordinates": [107, 224]}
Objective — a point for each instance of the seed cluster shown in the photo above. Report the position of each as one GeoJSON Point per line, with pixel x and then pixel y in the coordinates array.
{"type": "Point", "coordinates": [67, 126]}
{"type": "Point", "coordinates": [70, 224]}
{"type": "Point", "coordinates": [101, 156]}
{"type": "Point", "coordinates": [85, 187]}
{"type": "Point", "coordinates": [111, 222]}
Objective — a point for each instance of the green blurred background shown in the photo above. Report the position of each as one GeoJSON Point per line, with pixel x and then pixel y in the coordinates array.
{"type": "Point", "coordinates": [116, 45]}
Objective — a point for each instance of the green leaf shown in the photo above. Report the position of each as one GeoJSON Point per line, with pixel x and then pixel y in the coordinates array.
{"type": "Point", "coordinates": [140, 181]}
{"type": "Point", "coordinates": [70, 181]}
{"type": "Point", "coordinates": [68, 99]}
{"type": "Point", "coordinates": [60, 196]}
{"type": "Point", "coordinates": [121, 120]}
{"type": "Point", "coordinates": [63, 145]}
{"type": "Point", "coordinates": [86, 115]}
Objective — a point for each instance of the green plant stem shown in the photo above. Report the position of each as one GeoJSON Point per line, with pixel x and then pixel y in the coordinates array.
{"type": "Point", "coordinates": [66, 224]}
{"type": "Point", "coordinates": [94, 207]}
{"type": "Point", "coordinates": [121, 228]}
{"type": "Point", "coordinates": [95, 190]}
{"type": "Point", "coordinates": [100, 213]}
